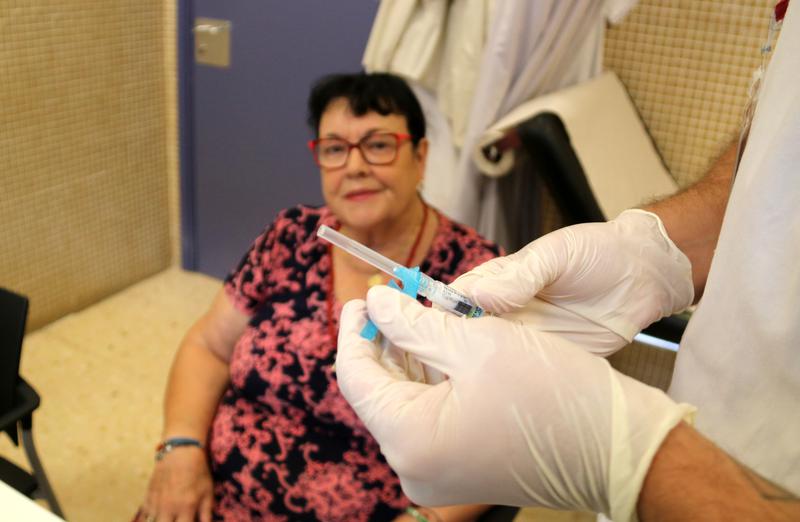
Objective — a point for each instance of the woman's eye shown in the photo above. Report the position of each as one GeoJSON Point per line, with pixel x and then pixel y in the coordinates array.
{"type": "Point", "coordinates": [378, 145]}
{"type": "Point", "coordinates": [333, 148]}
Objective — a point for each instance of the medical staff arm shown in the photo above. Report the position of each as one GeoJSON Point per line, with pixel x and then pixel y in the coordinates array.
{"type": "Point", "coordinates": [528, 418]}
{"type": "Point", "coordinates": [693, 217]}
{"type": "Point", "coordinates": [525, 417]}
{"type": "Point", "coordinates": [692, 479]}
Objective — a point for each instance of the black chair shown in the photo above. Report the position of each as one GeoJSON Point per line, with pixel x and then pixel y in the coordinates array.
{"type": "Point", "coordinates": [17, 403]}
{"type": "Point", "coordinates": [548, 189]}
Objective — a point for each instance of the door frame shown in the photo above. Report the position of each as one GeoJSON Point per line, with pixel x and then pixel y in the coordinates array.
{"type": "Point", "coordinates": [185, 102]}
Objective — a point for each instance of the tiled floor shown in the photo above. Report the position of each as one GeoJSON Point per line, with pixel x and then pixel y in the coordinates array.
{"type": "Point", "coordinates": [101, 374]}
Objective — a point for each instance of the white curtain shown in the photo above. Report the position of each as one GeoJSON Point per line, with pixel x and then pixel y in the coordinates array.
{"type": "Point", "coordinates": [474, 61]}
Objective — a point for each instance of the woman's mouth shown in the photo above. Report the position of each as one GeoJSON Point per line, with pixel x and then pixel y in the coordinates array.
{"type": "Point", "coordinates": [360, 195]}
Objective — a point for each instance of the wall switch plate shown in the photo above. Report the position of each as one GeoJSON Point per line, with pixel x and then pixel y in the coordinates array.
{"type": "Point", "coordinates": [212, 42]}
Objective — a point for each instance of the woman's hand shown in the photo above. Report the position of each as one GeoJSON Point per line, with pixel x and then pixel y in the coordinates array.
{"type": "Point", "coordinates": [180, 488]}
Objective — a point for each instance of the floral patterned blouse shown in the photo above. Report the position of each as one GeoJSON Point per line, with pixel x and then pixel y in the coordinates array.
{"type": "Point", "coordinates": [284, 444]}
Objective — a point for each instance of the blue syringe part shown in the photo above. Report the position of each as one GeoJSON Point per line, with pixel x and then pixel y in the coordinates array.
{"type": "Point", "coordinates": [442, 295]}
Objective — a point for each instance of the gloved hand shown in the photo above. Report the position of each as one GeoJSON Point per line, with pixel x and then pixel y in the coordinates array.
{"type": "Point", "coordinates": [609, 280]}
{"type": "Point", "coordinates": [525, 418]}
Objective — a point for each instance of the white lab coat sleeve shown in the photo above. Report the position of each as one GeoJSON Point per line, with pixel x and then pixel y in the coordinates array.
{"type": "Point", "coordinates": [406, 38]}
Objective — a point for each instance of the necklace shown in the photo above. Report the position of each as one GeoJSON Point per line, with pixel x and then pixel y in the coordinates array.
{"type": "Point", "coordinates": [329, 300]}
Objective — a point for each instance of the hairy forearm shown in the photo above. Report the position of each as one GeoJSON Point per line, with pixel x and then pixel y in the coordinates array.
{"type": "Point", "coordinates": [196, 383]}
{"type": "Point", "coordinates": [692, 479]}
{"type": "Point", "coordinates": [693, 217]}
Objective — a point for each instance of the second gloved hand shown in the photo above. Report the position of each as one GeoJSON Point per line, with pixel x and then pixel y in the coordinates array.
{"type": "Point", "coordinates": [610, 281]}
{"type": "Point", "coordinates": [525, 418]}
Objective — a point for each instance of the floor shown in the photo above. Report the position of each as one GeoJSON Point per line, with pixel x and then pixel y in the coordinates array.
{"type": "Point", "coordinates": [101, 375]}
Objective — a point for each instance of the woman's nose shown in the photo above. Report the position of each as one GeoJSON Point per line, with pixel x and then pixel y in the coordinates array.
{"type": "Point", "coordinates": [356, 164]}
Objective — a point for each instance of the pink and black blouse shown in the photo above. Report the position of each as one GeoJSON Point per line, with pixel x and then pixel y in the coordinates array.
{"type": "Point", "coordinates": [284, 444]}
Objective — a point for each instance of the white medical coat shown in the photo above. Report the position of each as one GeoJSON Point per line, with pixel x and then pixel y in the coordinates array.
{"type": "Point", "coordinates": [739, 361]}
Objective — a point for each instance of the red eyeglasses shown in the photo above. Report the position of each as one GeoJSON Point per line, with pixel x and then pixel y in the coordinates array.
{"type": "Point", "coordinates": [376, 149]}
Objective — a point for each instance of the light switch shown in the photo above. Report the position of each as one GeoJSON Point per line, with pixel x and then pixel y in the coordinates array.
{"type": "Point", "coordinates": [212, 42]}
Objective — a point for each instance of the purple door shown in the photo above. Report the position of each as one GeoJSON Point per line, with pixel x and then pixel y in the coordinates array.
{"type": "Point", "coordinates": [243, 127]}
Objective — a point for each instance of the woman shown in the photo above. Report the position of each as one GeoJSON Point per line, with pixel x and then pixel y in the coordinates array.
{"type": "Point", "coordinates": [254, 425]}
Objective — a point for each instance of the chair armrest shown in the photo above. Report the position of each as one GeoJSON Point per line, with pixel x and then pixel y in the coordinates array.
{"type": "Point", "coordinates": [25, 401]}
{"type": "Point", "coordinates": [669, 328]}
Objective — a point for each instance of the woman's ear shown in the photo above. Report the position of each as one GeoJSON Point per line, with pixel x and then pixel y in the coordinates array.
{"type": "Point", "coordinates": [421, 152]}
{"type": "Point", "coordinates": [421, 155]}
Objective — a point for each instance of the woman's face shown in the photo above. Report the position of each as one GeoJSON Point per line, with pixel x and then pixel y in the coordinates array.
{"type": "Point", "coordinates": [361, 195]}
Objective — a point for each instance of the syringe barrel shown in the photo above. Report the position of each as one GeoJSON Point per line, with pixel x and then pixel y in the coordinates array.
{"type": "Point", "coordinates": [444, 296]}
{"type": "Point", "coordinates": [436, 291]}
{"type": "Point", "coordinates": [358, 250]}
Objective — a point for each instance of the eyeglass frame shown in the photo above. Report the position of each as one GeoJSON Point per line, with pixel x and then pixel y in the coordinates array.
{"type": "Point", "coordinates": [398, 136]}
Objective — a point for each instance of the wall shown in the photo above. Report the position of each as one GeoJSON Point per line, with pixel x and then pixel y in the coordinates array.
{"type": "Point", "coordinates": [250, 135]}
{"type": "Point", "coordinates": [88, 156]}
{"type": "Point", "coordinates": [687, 65]}
{"type": "Point", "coordinates": [84, 141]}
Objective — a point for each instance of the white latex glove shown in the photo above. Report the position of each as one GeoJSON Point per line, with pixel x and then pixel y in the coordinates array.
{"type": "Point", "coordinates": [607, 281]}
{"type": "Point", "coordinates": [525, 418]}
{"type": "Point", "coordinates": [401, 363]}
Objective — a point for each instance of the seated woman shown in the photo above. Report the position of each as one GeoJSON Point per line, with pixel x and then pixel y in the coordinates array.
{"type": "Point", "coordinates": [255, 427]}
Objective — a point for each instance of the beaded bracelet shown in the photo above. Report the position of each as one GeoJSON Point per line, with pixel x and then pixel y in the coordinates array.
{"type": "Point", "coordinates": [175, 442]}
{"type": "Point", "coordinates": [422, 514]}
{"type": "Point", "coordinates": [419, 517]}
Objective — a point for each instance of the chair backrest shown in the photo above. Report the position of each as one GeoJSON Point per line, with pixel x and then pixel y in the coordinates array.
{"type": "Point", "coordinates": [13, 315]}
{"type": "Point", "coordinates": [546, 189]}
{"type": "Point", "coordinates": [588, 153]}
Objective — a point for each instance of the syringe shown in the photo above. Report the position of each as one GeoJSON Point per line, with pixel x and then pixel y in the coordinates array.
{"type": "Point", "coordinates": [438, 292]}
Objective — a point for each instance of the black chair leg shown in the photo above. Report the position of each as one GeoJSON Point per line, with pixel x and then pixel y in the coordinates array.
{"type": "Point", "coordinates": [44, 489]}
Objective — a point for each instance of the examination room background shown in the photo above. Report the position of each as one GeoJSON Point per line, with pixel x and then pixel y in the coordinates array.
{"type": "Point", "coordinates": [93, 225]}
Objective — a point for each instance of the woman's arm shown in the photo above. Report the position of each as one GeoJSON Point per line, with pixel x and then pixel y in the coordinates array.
{"type": "Point", "coordinates": [181, 486]}
{"type": "Point", "coordinates": [199, 373]}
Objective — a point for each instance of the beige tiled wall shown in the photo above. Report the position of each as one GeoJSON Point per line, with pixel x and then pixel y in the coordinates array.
{"type": "Point", "coordinates": [85, 148]}
{"type": "Point", "coordinates": [687, 65]}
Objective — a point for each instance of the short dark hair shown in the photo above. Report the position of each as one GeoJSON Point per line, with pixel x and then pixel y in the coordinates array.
{"type": "Point", "coordinates": [383, 93]}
